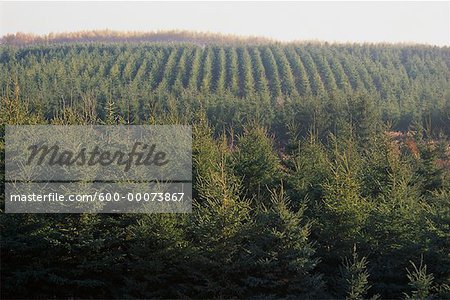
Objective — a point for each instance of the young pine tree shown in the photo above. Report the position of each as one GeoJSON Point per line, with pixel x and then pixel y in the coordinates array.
{"type": "Point", "coordinates": [215, 234]}
{"type": "Point", "coordinates": [420, 282]}
{"type": "Point", "coordinates": [355, 277]}
{"type": "Point", "coordinates": [256, 163]}
{"type": "Point", "coordinates": [278, 259]}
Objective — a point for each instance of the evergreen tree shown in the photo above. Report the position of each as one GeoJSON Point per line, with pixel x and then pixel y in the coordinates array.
{"type": "Point", "coordinates": [278, 259]}
{"type": "Point", "coordinates": [355, 277]}
{"type": "Point", "coordinates": [270, 65]}
{"type": "Point", "coordinates": [256, 163]}
{"type": "Point", "coordinates": [420, 282]}
{"type": "Point", "coordinates": [232, 71]}
{"type": "Point", "coordinates": [302, 81]}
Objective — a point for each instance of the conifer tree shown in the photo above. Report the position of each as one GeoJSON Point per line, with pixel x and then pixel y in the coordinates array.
{"type": "Point", "coordinates": [286, 76]}
{"type": "Point", "coordinates": [206, 75]}
{"type": "Point", "coordinates": [262, 86]}
{"type": "Point", "coordinates": [355, 277]}
{"type": "Point", "coordinates": [245, 64]}
{"type": "Point", "coordinates": [195, 70]}
{"type": "Point", "coordinates": [255, 162]}
{"type": "Point", "coordinates": [302, 81]}
{"type": "Point", "coordinates": [317, 86]}
{"type": "Point", "coordinates": [221, 71]}
{"type": "Point", "coordinates": [216, 228]}
{"type": "Point", "coordinates": [232, 71]}
{"type": "Point", "coordinates": [278, 260]}
{"type": "Point", "coordinates": [270, 66]}
{"type": "Point", "coordinates": [420, 282]}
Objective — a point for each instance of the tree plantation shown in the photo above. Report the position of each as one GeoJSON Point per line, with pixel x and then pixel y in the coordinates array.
{"type": "Point", "coordinates": [319, 170]}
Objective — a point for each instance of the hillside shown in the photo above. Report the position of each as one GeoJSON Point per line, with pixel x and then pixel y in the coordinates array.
{"type": "Point", "coordinates": [319, 171]}
{"type": "Point", "coordinates": [407, 84]}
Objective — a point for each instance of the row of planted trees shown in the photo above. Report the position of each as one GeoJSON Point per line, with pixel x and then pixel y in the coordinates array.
{"type": "Point", "coordinates": [406, 83]}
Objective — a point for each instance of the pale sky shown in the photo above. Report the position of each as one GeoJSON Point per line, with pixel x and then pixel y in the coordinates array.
{"type": "Point", "coordinates": [419, 22]}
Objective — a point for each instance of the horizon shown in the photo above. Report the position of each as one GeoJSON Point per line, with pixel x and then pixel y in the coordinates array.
{"type": "Point", "coordinates": [102, 33]}
{"type": "Point", "coordinates": [332, 22]}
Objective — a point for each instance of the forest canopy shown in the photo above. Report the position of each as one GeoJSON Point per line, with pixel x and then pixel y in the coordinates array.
{"type": "Point", "coordinates": [320, 170]}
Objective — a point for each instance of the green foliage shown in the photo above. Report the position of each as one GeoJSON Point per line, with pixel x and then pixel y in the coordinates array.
{"type": "Point", "coordinates": [344, 209]}
{"type": "Point", "coordinates": [310, 169]}
{"type": "Point", "coordinates": [216, 235]}
{"type": "Point", "coordinates": [256, 162]}
{"type": "Point", "coordinates": [278, 260]}
{"type": "Point", "coordinates": [355, 277]}
{"type": "Point", "coordinates": [314, 77]}
{"type": "Point", "coordinates": [407, 85]}
{"type": "Point", "coordinates": [300, 152]}
{"type": "Point", "coordinates": [232, 71]}
{"type": "Point", "coordinates": [420, 282]}
{"type": "Point", "coordinates": [270, 65]}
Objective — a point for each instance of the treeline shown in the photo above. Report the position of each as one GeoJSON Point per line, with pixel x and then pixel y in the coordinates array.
{"type": "Point", "coordinates": [302, 187]}
{"type": "Point", "coordinates": [112, 36]}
